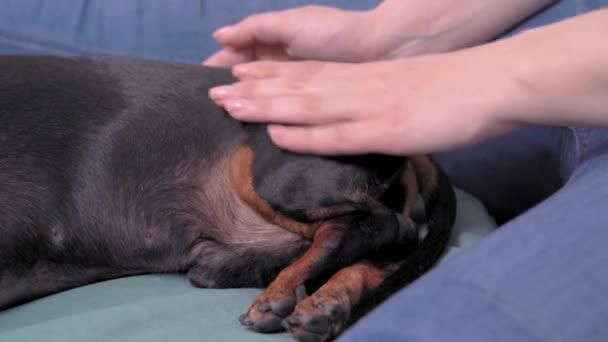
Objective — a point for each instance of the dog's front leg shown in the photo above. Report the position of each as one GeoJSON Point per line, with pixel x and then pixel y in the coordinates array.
{"type": "Point", "coordinates": [336, 244]}
{"type": "Point", "coordinates": [327, 312]}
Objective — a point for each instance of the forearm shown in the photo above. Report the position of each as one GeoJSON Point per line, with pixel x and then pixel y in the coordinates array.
{"type": "Point", "coordinates": [554, 75]}
{"type": "Point", "coordinates": [446, 25]}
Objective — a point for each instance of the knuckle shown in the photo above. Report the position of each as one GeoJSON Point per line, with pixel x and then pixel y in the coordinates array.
{"type": "Point", "coordinates": [263, 112]}
{"type": "Point", "coordinates": [264, 69]}
{"type": "Point", "coordinates": [311, 106]}
{"type": "Point", "coordinates": [335, 138]}
{"type": "Point", "coordinates": [246, 89]}
{"type": "Point", "coordinates": [311, 66]}
{"type": "Point", "coordinates": [340, 135]}
{"type": "Point", "coordinates": [293, 86]}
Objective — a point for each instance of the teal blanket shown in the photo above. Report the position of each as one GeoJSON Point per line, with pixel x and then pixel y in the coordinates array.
{"type": "Point", "coordinates": [160, 308]}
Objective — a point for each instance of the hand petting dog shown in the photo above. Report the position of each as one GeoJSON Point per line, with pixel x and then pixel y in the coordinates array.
{"type": "Point", "coordinates": [450, 95]}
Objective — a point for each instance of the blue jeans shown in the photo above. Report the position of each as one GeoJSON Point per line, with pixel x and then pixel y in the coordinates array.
{"type": "Point", "coordinates": [541, 277]}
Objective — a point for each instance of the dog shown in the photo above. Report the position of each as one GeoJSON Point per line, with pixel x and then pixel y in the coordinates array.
{"type": "Point", "coordinates": [115, 166]}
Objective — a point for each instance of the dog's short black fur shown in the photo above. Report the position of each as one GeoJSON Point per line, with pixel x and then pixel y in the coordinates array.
{"type": "Point", "coordinates": [113, 167]}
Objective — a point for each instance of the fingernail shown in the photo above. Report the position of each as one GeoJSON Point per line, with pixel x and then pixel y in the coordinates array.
{"type": "Point", "coordinates": [276, 130]}
{"type": "Point", "coordinates": [220, 92]}
{"type": "Point", "coordinates": [240, 70]}
{"type": "Point", "coordinates": [222, 31]}
{"type": "Point", "coordinates": [239, 107]}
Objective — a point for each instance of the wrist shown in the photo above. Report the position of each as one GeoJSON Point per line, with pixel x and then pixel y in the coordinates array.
{"type": "Point", "coordinates": [445, 25]}
{"type": "Point", "coordinates": [486, 90]}
{"type": "Point", "coordinates": [556, 74]}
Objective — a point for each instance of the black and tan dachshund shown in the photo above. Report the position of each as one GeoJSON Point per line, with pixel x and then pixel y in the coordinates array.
{"type": "Point", "coordinates": [112, 167]}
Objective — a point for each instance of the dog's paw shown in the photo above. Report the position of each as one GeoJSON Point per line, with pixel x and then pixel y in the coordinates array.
{"type": "Point", "coordinates": [271, 308]}
{"type": "Point", "coordinates": [320, 317]}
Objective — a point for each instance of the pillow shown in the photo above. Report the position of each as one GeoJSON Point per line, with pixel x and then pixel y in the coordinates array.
{"type": "Point", "coordinates": [160, 308]}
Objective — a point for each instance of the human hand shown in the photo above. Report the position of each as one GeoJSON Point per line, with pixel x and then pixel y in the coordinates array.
{"type": "Point", "coordinates": [408, 106]}
{"type": "Point", "coordinates": [394, 29]}
{"type": "Point", "coordinates": [313, 33]}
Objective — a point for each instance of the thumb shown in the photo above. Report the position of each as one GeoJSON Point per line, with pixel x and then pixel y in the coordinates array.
{"type": "Point", "coordinates": [270, 28]}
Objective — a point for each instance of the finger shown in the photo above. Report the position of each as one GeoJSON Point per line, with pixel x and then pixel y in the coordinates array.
{"type": "Point", "coordinates": [283, 68]}
{"type": "Point", "coordinates": [259, 69]}
{"type": "Point", "coordinates": [228, 57]}
{"type": "Point", "coordinates": [248, 89]}
{"type": "Point", "coordinates": [349, 138]}
{"type": "Point", "coordinates": [267, 28]}
{"type": "Point", "coordinates": [262, 83]}
{"type": "Point", "coordinates": [288, 100]}
{"type": "Point", "coordinates": [294, 110]}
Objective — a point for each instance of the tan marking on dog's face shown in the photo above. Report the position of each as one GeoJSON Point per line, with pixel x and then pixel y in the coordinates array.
{"type": "Point", "coordinates": [242, 183]}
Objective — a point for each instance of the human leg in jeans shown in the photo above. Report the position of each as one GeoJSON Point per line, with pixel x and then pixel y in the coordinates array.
{"type": "Point", "coordinates": [541, 276]}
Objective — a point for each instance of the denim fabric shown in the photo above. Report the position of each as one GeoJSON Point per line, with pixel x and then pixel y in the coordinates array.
{"type": "Point", "coordinates": [511, 173]}
{"type": "Point", "coordinates": [539, 278]}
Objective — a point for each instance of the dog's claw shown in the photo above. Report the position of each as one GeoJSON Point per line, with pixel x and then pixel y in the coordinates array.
{"type": "Point", "coordinates": [265, 307]}
{"type": "Point", "coordinates": [301, 293]}
{"type": "Point", "coordinates": [245, 320]}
